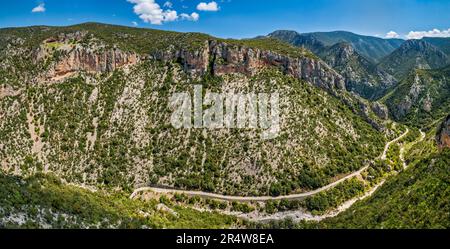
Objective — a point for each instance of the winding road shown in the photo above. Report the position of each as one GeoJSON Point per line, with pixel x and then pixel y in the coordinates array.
{"type": "Point", "coordinates": [298, 196]}
{"type": "Point", "coordinates": [386, 147]}
{"type": "Point", "coordinates": [245, 198]}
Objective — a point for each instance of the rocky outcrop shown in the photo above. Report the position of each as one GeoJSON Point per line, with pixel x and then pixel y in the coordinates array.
{"type": "Point", "coordinates": [443, 136]}
{"type": "Point", "coordinates": [69, 55]}
{"type": "Point", "coordinates": [380, 110]}
{"type": "Point", "coordinates": [361, 76]}
{"type": "Point", "coordinates": [424, 93]}
{"type": "Point", "coordinates": [81, 59]}
{"type": "Point", "coordinates": [221, 58]}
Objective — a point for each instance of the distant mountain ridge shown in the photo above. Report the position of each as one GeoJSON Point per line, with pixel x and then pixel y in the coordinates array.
{"type": "Point", "coordinates": [414, 54]}
{"type": "Point", "coordinates": [361, 75]}
{"type": "Point", "coordinates": [373, 48]}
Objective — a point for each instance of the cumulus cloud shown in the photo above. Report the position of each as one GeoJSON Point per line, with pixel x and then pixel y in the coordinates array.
{"type": "Point", "coordinates": [392, 34]}
{"type": "Point", "coordinates": [430, 33]}
{"type": "Point", "coordinates": [212, 6]}
{"type": "Point", "coordinates": [39, 9]}
{"type": "Point", "coordinates": [150, 12]}
{"type": "Point", "coordinates": [192, 17]}
{"type": "Point", "coordinates": [134, 24]}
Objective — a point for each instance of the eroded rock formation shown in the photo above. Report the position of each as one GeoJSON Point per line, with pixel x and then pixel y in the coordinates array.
{"type": "Point", "coordinates": [222, 58]}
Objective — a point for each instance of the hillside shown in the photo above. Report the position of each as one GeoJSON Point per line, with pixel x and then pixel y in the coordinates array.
{"type": "Point", "coordinates": [416, 198]}
{"type": "Point", "coordinates": [440, 42]}
{"type": "Point", "coordinates": [414, 54]}
{"type": "Point", "coordinates": [91, 103]}
{"type": "Point", "coordinates": [361, 76]}
{"type": "Point", "coordinates": [422, 97]}
{"type": "Point", "coordinates": [43, 201]}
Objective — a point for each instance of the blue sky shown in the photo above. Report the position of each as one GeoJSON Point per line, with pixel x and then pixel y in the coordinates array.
{"type": "Point", "coordinates": [241, 18]}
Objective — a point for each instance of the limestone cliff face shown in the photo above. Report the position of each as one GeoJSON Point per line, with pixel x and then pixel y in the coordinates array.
{"type": "Point", "coordinates": [67, 54]}
{"type": "Point", "coordinates": [424, 93]}
{"type": "Point", "coordinates": [443, 136]}
{"type": "Point", "coordinates": [222, 58]}
{"type": "Point", "coordinates": [81, 59]}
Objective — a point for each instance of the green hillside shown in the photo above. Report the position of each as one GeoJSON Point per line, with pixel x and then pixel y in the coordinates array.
{"type": "Point", "coordinates": [421, 98]}
{"type": "Point", "coordinates": [414, 54]}
{"type": "Point", "coordinates": [93, 122]}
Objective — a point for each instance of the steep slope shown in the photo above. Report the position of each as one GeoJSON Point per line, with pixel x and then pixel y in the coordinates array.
{"type": "Point", "coordinates": [307, 41]}
{"type": "Point", "coordinates": [372, 48]}
{"type": "Point", "coordinates": [91, 103]}
{"type": "Point", "coordinates": [422, 97]}
{"type": "Point", "coordinates": [361, 76]}
{"type": "Point", "coordinates": [416, 198]}
{"type": "Point", "coordinates": [43, 201]}
{"type": "Point", "coordinates": [443, 134]}
{"type": "Point", "coordinates": [443, 43]}
{"type": "Point", "coordinates": [414, 54]}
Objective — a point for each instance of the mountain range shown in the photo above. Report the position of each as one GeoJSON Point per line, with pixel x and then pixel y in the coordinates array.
{"type": "Point", "coordinates": [371, 66]}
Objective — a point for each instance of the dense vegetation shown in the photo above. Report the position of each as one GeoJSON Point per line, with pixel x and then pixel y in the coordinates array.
{"type": "Point", "coordinates": [418, 197]}
{"type": "Point", "coordinates": [43, 201]}
{"type": "Point", "coordinates": [421, 98]}
{"type": "Point", "coordinates": [114, 130]}
{"type": "Point", "coordinates": [111, 130]}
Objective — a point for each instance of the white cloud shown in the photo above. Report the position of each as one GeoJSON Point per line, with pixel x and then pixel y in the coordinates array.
{"type": "Point", "coordinates": [39, 9]}
{"type": "Point", "coordinates": [150, 12]}
{"type": "Point", "coordinates": [170, 15]}
{"type": "Point", "coordinates": [430, 33]}
{"type": "Point", "coordinates": [392, 34]}
{"type": "Point", "coordinates": [134, 24]}
{"type": "Point", "coordinates": [212, 6]}
{"type": "Point", "coordinates": [192, 17]}
{"type": "Point", "coordinates": [168, 4]}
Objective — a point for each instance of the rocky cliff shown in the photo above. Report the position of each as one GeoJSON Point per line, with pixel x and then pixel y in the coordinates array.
{"type": "Point", "coordinates": [68, 54]}
{"type": "Point", "coordinates": [443, 136]}
{"type": "Point", "coordinates": [222, 58]}
{"type": "Point", "coordinates": [361, 76]}
{"type": "Point", "coordinates": [420, 98]}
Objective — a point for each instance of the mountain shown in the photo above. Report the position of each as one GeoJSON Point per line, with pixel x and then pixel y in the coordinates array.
{"type": "Point", "coordinates": [308, 41]}
{"type": "Point", "coordinates": [422, 97]}
{"type": "Point", "coordinates": [443, 43]}
{"type": "Point", "coordinates": [91, 103]}
{"type": "Point", "coordinates": [414, 54]}
{"type": "Point", "coordinates": [92, 113]}
{"type": "Point", "coordinates": [372, 48]}
{"type": "Point", "coordinates": [361, 76]}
